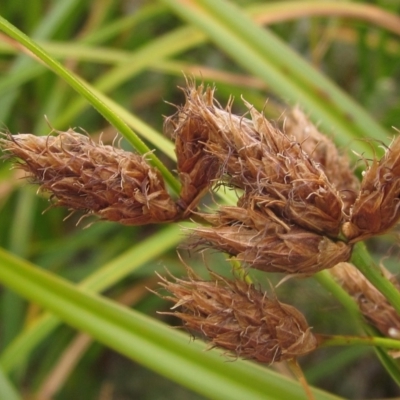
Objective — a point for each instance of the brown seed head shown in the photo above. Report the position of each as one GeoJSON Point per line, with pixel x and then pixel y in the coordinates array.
{"type": "Point", "coordinates": [265, 242]}
{"type": "Point", "coordinates": [241, 319]}
{"type": "Point", "coordinates": [81, 175]}
{"type": "Point", "coordinates": [377, 208]}
{"type": "Point", "coordinates": [261, 160]}
{"type": "Point", "coordinates": [373, 305]}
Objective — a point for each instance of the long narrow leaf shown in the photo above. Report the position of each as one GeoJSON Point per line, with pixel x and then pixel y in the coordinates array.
{"type": "Point", "coordinates": [147, 341]}
{"type": "Point", "coordinates": [45, 29]}
{"type": "Point", "coordinates": [7, 390]}
{"type": "Point", "coordinates": [104, 277]}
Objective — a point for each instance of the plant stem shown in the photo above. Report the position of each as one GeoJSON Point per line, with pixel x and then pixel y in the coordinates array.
{"type": "Point", "coordinates": [365, 264]}
{"type": "Point", "coordinates": [339, 340]}
{"type": "Point", "coordinates": [325, 279]}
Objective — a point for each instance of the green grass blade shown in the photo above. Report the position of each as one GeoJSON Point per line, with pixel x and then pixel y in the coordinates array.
{"type": "Point", "coordinates": [25, 68]}
{"type": "Point", "coordinates": [147, 341]}
{"type": "Point", "coordinates": [327, 281]}
{"type": "Point", "coordinates": [166, 46]}
{"type": "Point", "coordinates": [391, 364]}
{"type": "Point", "coordinates": [123, 24]}
{"type": "Point", "coordinates": [363, 261]}
{"type": "Point", "coordinates": [154, 137]}
{"type": "Point", "coordinates": [278, 12]}
{"type": "Point", "coordinates": [149, 249]}
{"type": "Point", "coordinates": [18, 77]}
{"type": "Point", "coordinates": [58, 13]}
{"type": "Point", "coordinates": [7, 390]}
{"type": "Point", "coordinates": [104, 277]}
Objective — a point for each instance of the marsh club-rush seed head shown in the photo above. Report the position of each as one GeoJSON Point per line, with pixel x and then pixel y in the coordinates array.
{"type": "Point", "coordinates": [257, 157]}
{"type": "Point", "coordinates": [81, 175]}
{"type": "Point", "coordinates": [267, 243]}
{"type": "Point", "coordinates": [239, 318]}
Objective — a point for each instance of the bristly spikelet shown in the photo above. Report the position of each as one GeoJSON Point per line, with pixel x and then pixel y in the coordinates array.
{"type": "Point", "coordinates": [81, 175]}
{"type": "Point", "coordinates": [237, 317]}
{"type": "Point", "coordinates": [262, 161]}
{"type": "Point", "coordinates": [377, 208]}
{"type": "Point", "coordinates": [293, 185]}
{"type": "Point", "coordinates": [264, 242]}
{"type": "Point", "coordinates": [373, 305]}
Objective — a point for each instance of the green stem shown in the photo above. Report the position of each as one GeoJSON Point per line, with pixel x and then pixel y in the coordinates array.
{"type": "Point", "coordinates": [365, 264]}
{"type": "Point", "coordinates": [329, 283]}
{"type": "Point", "coordinates": [339, 340]}
{"type": "Point", "coordinates": [326, 280]}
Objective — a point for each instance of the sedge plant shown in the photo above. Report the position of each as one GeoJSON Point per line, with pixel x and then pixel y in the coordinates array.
{"type": "Point", "coordinates": [297, 206]}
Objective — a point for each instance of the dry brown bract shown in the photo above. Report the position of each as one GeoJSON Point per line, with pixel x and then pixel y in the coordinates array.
{"type": "Point", "coordinates": [237, 317]}
{"type": "Point", "coordinates": [81, 175]}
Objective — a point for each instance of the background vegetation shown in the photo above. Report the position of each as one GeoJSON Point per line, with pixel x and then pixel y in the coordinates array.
{"type": "Point", "coordinates": [134, 54]}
